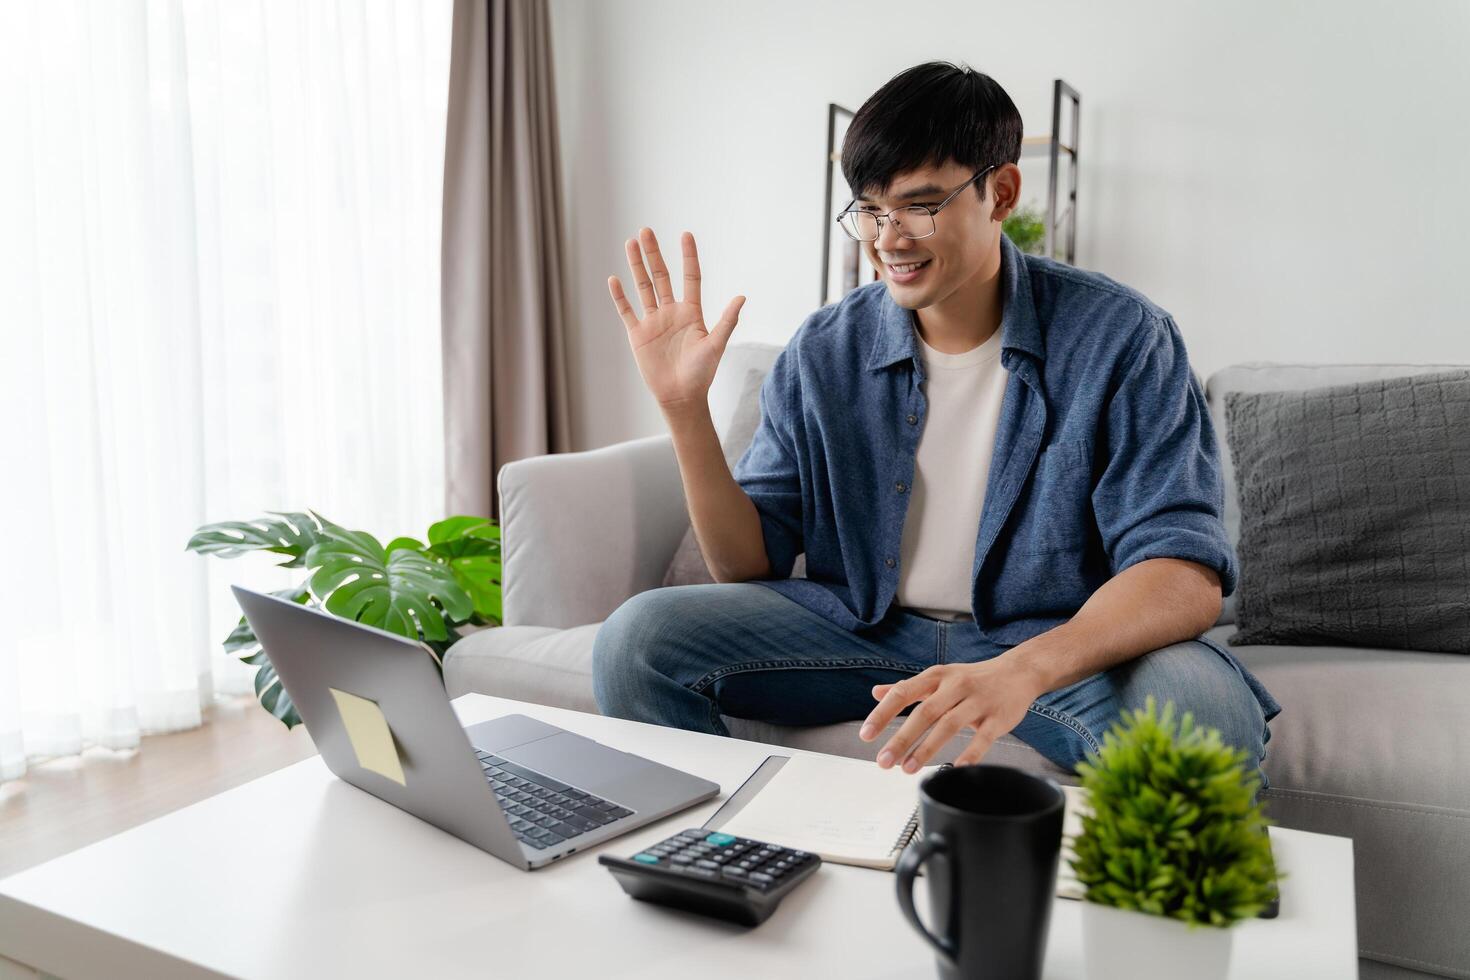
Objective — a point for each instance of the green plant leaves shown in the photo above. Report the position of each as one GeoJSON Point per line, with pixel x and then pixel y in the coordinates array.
{"type": "Point", "coordinates": [403, 592]}
{"type": "Point", "coordinates": [1026, 228]}
{"type": "Point", "coordinates": [461, 532]}
{"type": "Point", "coordinates": [269, 691]}
{"type": "Point", "coordinates": [470, 546]}
{"type": "Point", "coordinates": [1175, 827]}
{"type": "Point", "coordinates": [292, 535]}
{"type": "Point", "coordinates": [420, 591]}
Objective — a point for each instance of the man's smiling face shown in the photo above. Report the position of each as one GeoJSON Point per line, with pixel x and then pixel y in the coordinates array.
{"type": "Point", "coordinates": [922, 272]}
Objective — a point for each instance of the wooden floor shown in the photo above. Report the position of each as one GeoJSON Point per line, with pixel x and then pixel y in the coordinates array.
{"type": "Point", "coordinates": [68, 803]}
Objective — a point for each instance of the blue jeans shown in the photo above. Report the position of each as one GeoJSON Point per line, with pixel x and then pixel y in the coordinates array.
{"type": "Point", "coordinates": [686, 655]}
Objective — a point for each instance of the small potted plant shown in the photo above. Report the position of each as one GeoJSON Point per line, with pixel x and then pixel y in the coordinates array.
{"type": "Point", "coordinates": [1173, 849]}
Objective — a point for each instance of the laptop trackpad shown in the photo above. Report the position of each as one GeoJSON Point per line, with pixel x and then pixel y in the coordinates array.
{"type": "Point", "coordinates": [577, 760]}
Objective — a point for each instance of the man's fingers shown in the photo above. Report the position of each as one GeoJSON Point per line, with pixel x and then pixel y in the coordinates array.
{"type": "Point", "coordinates": [640, 278]}
{"type": "Point", "coordinates": [929, 712]}
{"type": "Point", "coordinates": [625, 309]}
{"type": "Point", "coordinates": [663, 287]}
{"type": "Point", "coordinates": [946, 728]}
{"type": "Point", "coordinates": [903, 693]}
{"type": "Point", "coordinates": [691, 269]}
{"type": "Point", "coordinates": [979, 745]}
{"type": "Point", "coordinates": [726, 324]}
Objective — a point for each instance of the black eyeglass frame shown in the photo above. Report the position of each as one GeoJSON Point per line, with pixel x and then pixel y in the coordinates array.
{"type": "Point", "coordinates": [932, 209]}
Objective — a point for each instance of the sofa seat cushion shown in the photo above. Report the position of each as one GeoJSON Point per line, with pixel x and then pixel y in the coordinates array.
{"type": "Point", "coordinates": [1358, 723]}
{"type": "Point", "coordinates": [1365, 723]}
{"type": "Point", "coordinates": [539, 664]}
{"type": "Point", "coordinates": [554, 667]}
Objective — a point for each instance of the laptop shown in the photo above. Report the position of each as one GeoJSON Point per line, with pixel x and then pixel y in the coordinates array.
{"type": "Point", "coordinates": [523, 790]}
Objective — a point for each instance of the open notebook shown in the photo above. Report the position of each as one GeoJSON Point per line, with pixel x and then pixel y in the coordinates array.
{"type": "Point", "coordinates": [848, 811]}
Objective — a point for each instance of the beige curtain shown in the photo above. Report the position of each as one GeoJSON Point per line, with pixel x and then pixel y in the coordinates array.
{"type": "Point", "coordinates": [503, 297]}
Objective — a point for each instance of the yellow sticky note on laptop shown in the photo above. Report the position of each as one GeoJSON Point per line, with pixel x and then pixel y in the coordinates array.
{"type": "Point", "coordinates": [371, 739]}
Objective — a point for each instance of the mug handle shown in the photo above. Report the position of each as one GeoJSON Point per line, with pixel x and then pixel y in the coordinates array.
{"type": "Point", "coordinates": [908, 865]}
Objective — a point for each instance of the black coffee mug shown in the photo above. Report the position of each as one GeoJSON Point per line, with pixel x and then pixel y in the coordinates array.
{"type": "Point", "coordinates": [992, 836]}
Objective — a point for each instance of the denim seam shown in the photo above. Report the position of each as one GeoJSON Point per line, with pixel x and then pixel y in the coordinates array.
{"type": "Point", "coordinates": [942, 642]}
{"type": "Point", "coordinates": [1065, 719]}
{"type": "Point", "coordinates": [729, 669]}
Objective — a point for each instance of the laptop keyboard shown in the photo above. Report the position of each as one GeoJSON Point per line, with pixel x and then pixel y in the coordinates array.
{"type": "Point", "coordinates": [542, 811]}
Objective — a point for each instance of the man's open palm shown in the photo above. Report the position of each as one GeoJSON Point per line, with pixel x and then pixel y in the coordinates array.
{"type": "Point", "coordinates": [676, 353]}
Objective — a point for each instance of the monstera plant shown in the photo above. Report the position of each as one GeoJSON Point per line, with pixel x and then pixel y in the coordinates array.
{"type": "Point", "coordinates": [424, 591]}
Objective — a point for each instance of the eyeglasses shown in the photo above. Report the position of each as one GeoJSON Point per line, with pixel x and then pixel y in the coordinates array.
{"type": "Point", "coordinates": [913, 221]}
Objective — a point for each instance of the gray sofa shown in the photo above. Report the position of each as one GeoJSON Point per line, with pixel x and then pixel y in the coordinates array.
{"type": "Point", "coordinates": [1372, 744]}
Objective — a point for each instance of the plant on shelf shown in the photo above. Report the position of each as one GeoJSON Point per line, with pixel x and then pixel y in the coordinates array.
{"type": "Point", "coordinates": [425, 592]}
{"type": "Point", "coordinates": [1026, 228]}
{"type": "Point", "coordinates": [1172, 829]}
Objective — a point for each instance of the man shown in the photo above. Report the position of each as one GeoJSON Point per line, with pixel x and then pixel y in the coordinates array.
{"type": "Point", "coordinates": [1000, 468]}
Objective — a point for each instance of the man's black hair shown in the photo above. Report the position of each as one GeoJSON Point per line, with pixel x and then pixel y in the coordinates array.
{"type": "Point", "coordinates": [929, 115]}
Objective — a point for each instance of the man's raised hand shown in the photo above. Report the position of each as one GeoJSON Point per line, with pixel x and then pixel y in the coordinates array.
{"type": "Point", "coordinates": [676, 353]}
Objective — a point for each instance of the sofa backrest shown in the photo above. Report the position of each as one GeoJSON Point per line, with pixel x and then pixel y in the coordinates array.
{"type": "Point", "coordinates": [729, 380]}
{"type": "Point", "coordinates": [1255, 376]}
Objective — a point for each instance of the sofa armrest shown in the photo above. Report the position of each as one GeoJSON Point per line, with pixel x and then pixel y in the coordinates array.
{"type": "Point", "coordinates": [581, 533]}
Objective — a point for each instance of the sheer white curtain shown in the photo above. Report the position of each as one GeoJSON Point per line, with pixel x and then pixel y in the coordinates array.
{"type": "Point", "coordinates": [219, 295]}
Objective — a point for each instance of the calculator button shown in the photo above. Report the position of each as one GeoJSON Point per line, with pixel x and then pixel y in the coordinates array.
{"type": "Point", "coordinates": [707, 864]}
{"type": "Point", "coordinates": [646, 858]}
{"type": "Point", "coordinates": [720, 840]}
{"type": "Point", "coordinates": [682, 859]}
{"type": "Point", "coordinates": [763, 879]}
{"type": "Point", "coordinates": [735, 872]}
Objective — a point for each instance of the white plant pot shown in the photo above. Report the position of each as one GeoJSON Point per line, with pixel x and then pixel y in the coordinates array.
{"type": "Point", "coordinates": [1120, 945]}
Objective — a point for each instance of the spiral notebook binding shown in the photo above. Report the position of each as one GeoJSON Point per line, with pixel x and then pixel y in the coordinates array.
{"type": "Point", "coordinates": [912, 827]}
{"type": "Point", "coordinates": [907, 834]}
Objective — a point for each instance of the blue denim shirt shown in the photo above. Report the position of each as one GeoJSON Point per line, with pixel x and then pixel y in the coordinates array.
{"type": "Point", "coordinates": [1105, 455]}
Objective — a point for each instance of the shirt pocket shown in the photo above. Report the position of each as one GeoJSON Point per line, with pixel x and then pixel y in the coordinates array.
{"type": "Point", "coordinates": [1055, 513]}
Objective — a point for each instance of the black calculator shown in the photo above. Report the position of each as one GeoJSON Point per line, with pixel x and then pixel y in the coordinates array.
{"type": "Point", "coordinates": [716, 874]}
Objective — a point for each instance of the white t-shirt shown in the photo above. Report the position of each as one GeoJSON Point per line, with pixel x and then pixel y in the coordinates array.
{"type": "Point", "coordinates": [951, 467]}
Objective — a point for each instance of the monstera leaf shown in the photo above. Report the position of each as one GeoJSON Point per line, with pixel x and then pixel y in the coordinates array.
{"type": "Point", "coordinates": [402, 591]}
{"type": "Point", "coordinates": [423, 592]}
{"type": "Point", "coordinates": [470, 546]}
{"type": "Point", "coordinates": [268, 688]}
{"type": "Point", "coordinates": [292, 534]}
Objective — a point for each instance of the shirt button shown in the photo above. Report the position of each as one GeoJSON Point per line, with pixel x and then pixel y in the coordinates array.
{"type": "Point", "coordinates": [900, 487]}
{"type": "Point", "coordinates": [888, 562]}
{"type": "Point", "coordinates": [913, 420]}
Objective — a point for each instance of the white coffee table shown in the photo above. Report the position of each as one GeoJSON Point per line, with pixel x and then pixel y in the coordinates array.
{"type": "Point", "coordinates": [298, 874]}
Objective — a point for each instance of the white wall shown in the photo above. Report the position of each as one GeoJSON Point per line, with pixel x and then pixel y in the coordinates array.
{"type": "Point", "coordinates": [1287, 179]}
